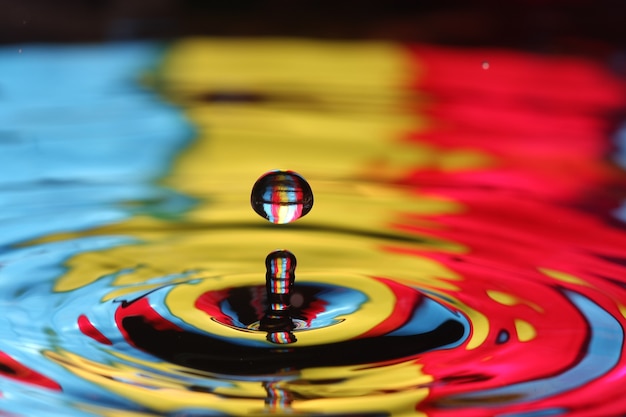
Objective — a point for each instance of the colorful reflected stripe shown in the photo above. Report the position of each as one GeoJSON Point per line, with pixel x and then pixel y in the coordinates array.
{"type": "Point", "coordinates": [282, 338]}
{"type": "Point", "coordinates": [280, 274]}
{"type": "Point", "coordinates": [452, 195]}
{"type": "Point", "coordinates": [282, 203]}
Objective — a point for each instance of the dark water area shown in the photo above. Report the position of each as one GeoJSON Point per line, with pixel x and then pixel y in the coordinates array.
{"type": "Point", "coordinates": [465, 254]}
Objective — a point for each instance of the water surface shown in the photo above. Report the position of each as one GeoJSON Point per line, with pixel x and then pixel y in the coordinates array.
{"type": "Point", "coordinates": [465, 255]}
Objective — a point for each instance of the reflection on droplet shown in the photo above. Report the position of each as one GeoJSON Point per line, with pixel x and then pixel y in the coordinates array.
{"type": "Point", "coordinates": [279, 278]}
{"type": "Point", "coordinates": [281, 196]}
{"type": "Point", "coordinates": [281, 338]}
{"type": "Point", "coordinates": [280, 274]}
{"type": "Point", "coordinates": [278, 399]}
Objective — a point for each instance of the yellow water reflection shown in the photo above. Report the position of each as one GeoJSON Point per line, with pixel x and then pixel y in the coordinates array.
{"type": "Point", "coordinates": [337, 114]}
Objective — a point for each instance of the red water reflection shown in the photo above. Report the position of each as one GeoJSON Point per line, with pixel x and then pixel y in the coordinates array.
{"type": "Point", "coordinates": [537, 222]}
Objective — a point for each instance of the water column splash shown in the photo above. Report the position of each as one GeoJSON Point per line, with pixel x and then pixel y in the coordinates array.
{"type": "Point", "coordinates": [279, 279]}
{"type": "Point", "coordinates": [281, 196]}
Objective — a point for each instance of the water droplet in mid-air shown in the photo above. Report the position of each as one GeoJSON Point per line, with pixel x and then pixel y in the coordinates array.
{"type": "Point", "coordinates": [281, 196]}
{"type": "Point", "coordinates": [485, 65]}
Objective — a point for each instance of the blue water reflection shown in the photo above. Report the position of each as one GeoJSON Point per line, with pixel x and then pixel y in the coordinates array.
{"type": "Point", "coordinates": [80, 138]}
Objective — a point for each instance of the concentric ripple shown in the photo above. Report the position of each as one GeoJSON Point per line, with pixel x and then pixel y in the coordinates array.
{"type": "Point", "coordinates": [205, 324]}
{"type": "Point", "coordinates": [465, 256]}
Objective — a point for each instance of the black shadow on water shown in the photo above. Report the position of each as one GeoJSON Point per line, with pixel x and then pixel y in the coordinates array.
{"type": "Point", "coordinates": [211, 354]}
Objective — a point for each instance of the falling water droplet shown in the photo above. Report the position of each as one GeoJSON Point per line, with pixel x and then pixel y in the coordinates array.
{"type": "Point", "coordinates": [485, 65]}
{"type": "Point", "coordinates": [281, 196]}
